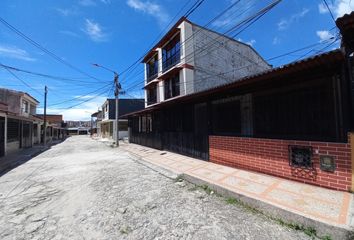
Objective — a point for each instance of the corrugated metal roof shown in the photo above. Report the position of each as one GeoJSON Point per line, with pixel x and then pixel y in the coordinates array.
{"type": "Point", "coordinates": [325, 59]}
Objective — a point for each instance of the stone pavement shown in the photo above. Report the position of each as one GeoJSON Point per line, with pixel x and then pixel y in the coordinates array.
{"type": "Point", "coordinates": [328, 211]}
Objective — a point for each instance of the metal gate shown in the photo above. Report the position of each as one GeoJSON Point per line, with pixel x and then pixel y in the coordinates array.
{"type": "Point", "coordinates": [186, 131]}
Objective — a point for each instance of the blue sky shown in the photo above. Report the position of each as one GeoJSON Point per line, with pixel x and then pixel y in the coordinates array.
{"type": "Point", "coordinates": [115, 33]}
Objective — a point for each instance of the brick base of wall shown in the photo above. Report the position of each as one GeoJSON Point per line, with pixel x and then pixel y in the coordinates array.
{"type": "Point", "coordinates": [272, 157]}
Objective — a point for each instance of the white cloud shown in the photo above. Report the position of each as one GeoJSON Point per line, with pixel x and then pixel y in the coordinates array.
{"type": "Point", "coordinates": [80, 113]}
{"type": "Point", "coordinates": [15, 52]}
{"type": "Point", "coordinates": [69, 33]}
{"type": "Point", "coordinates": [324, 35]}
{"type": "Point", "coordinates": [285, 23]}
{"type": "Point", "coordinates": [150, 8]}
{"type": "Point", "coordinates": [338, 7]}
{"type": "Point", "coordinates": [250, 42]}
{"type": "Point", "coordinates": [94, 31]}
{"type": "Point", "coordinates": [87, 3]}
{"type": "Point", "coordinates": [322, 8]}
{"type": "Point", "coordinates": [276, 41]}
{"type": "Point", "coordinates": [66, 11]}
{"type": "Point", "coordinates": [229, 17]}
{"type": "Point", "coordinates": [90, 3]}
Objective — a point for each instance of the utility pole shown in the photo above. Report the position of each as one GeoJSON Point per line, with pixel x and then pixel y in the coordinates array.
{"type": "Point", "coordinates": [116, 94]}
{"type": "Point", "coordinates": [45, 117]}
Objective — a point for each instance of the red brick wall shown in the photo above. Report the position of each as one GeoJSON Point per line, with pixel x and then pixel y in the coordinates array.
{"type": "Point", "coordinates": [271, 157]}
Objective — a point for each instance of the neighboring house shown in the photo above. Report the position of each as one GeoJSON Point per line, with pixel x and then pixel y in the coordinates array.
{"type": "Point", "coordinates": [190, 58]}
{"type": "Point", "coordinates": [78, 131]}
{"type": "Point", "coordinates": [95, 119]}
{"type": "Point", "coordinates": [20, 122]}
{"type": "Point", "coordinates": [295, 121]}
{"type": "Point", "coordinates": [107, 125]}
{"type": "Point", "coordinates": [73, 124]}
{"type": "Point", "coordinates": [55, 126]}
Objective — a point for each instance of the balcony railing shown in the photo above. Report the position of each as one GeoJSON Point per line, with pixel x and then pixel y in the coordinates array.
{"type": "Point", "coordinates": [171, 61]}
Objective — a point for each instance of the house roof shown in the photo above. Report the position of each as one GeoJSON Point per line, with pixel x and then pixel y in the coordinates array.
{"type": "Point", "coordinates": [52, 118]}
{"type": "Point", "coordinates": [174, 29]}
{"type": "Point", "coordinates": [325, 59]}
{"type": "Point", "coordinates": [128, 105]}
{"type": "Point", "coordinates": [21, 93]}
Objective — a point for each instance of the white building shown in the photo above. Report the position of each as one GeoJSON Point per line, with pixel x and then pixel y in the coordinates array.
{"type": "Point", "coordinates": [190, 58]}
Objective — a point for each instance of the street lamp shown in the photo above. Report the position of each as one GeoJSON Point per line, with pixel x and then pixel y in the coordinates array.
{"type": "Point", "coordinates": [116, 94]}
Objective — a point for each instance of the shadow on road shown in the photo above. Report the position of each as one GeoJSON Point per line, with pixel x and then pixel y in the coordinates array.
{"type": "Point", "coordinates": [14, 160]}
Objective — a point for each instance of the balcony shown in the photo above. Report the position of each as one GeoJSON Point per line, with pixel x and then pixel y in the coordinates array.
{"type": "Point", "coordinates": [168, 63]}
{"type": "Point", "coordinates": [171, 53]}
{"type": "Point", "coordinates": [152, 69]}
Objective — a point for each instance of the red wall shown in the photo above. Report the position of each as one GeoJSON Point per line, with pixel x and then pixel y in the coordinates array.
{"type": "Point", "coordinates": [271, 157]}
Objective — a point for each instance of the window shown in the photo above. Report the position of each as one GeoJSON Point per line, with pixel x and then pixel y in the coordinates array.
{"type": "Point", "coordinates": [300, 156]}
{"type": "Point", "coordinates": [32, 109]}
{"type": "Point", "coordinates": [25, 106]}
{"type": "Point", "coordinates": [171, 53]}
{"type": "Point", "coordinates": [152, 68]}
{"type": "Point", "coordinates": [172, 87]}
{"type": "Point", "coordinates": [151, 95]}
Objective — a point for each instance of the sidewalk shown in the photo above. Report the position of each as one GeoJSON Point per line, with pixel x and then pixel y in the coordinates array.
{"type": "Point", "coordinates": [14, 159]}
{"type": "Point", "coordinates": [329, 212]}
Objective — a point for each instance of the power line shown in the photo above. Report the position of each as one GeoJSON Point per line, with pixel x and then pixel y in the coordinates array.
{"type": "Point", "coordinates": [207, 24]}
{"type": "Point", "coordinates": [156, 39]}
{"type": "Point", "coordinates": [329, 10]}
{"type": "Point", "coordinates": [51, 54]}
{"type": "Point", "coordinates": [247, 20]}
{"type": "Point", "coordinates": [197, 4]}
{"type": "Point", "coordinates": [236, 69]}
{"type": "Point", "coordinates": [87, 100]}
{"type": "Point", "coordinates": [25, 83]}
{"type": "Point", "coordinates": [80, 97]}
{"type": "Point", "coordinates": [45, 75]}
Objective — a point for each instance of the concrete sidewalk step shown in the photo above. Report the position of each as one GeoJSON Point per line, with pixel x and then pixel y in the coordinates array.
{"type": "Point", "coordinates": [329, 212]}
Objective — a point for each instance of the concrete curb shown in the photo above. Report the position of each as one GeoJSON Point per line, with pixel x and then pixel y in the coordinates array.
{"type": "Point", "coordinates": [336, 232]}
{"type": "Point", "coordinates": [322, 229]}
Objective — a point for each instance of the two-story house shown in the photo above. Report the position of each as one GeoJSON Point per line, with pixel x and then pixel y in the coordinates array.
{"type": "Point", "coordinates": [191, 58]}
{"type": "Point", "coordinates": [285, 121]}
{"type": "Point", "coordinates": [106, 127]}
{"type": "Point", "coordinates": [21, 126]}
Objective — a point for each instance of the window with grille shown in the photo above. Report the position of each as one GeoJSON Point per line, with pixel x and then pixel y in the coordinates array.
{"type": "Point", "coordinates": [300, 156]}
